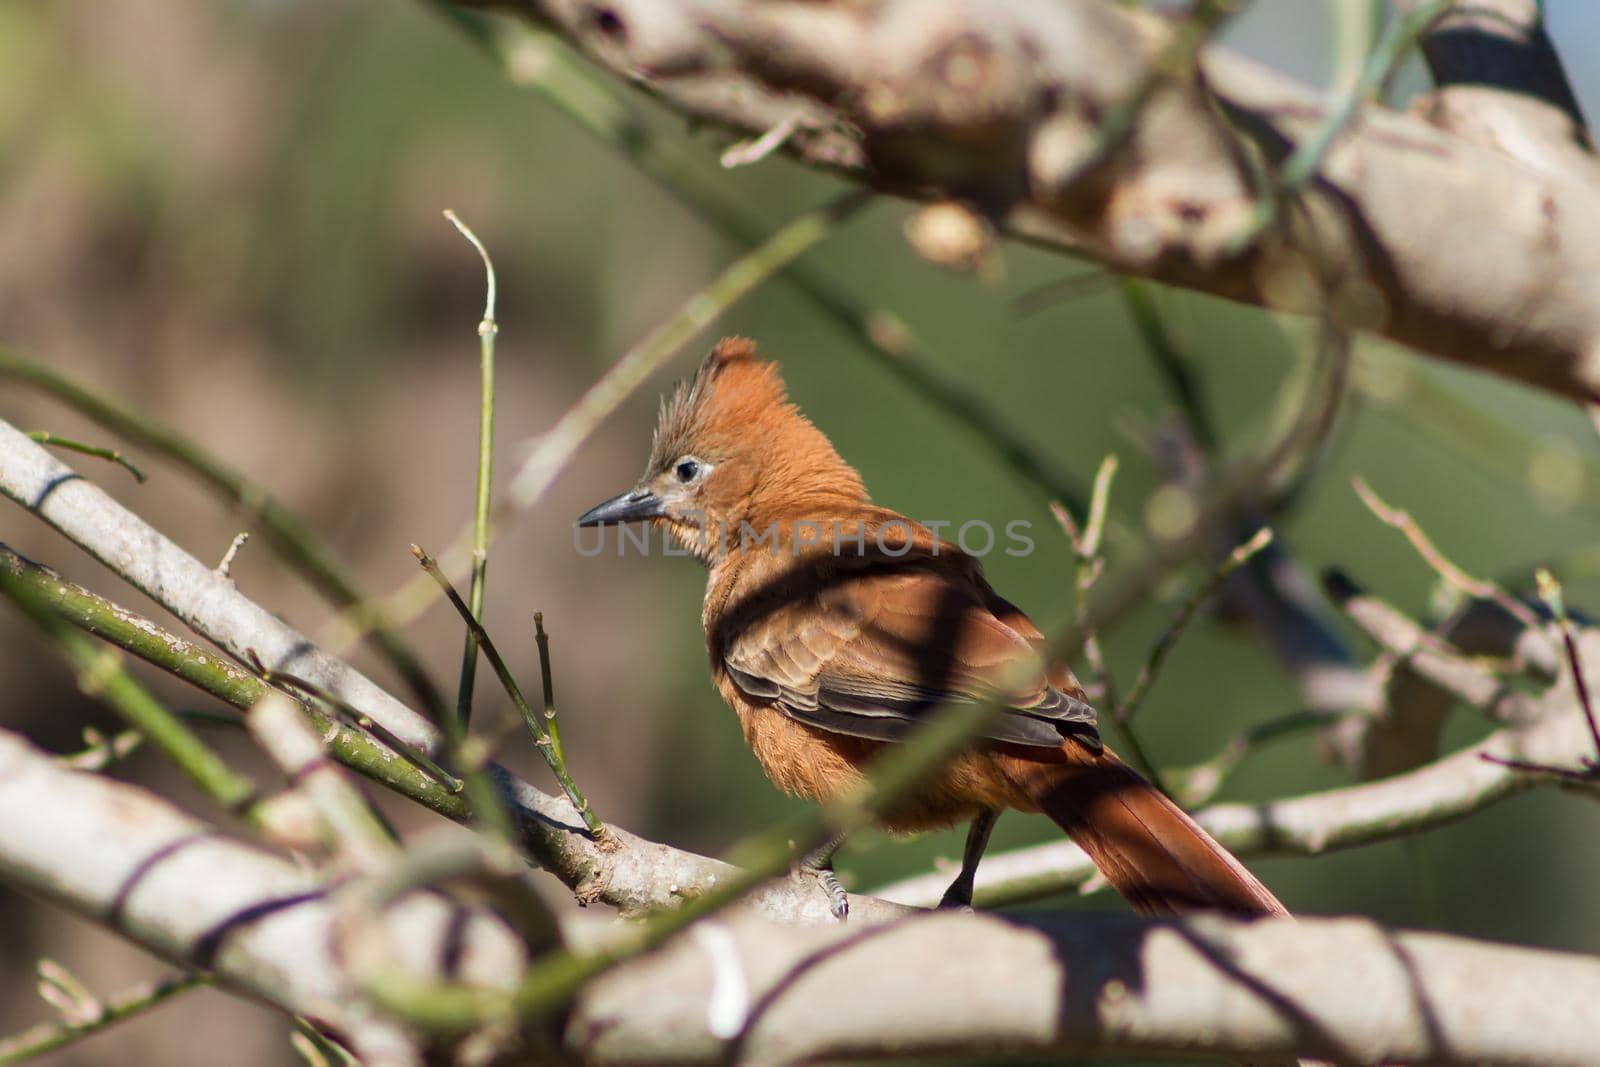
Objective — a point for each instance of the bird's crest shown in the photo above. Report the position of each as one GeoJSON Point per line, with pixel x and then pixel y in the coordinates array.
{"type": "Point", "coordinates": [708, 411]}
{"type": "Point", "coordinates": [738, 405]}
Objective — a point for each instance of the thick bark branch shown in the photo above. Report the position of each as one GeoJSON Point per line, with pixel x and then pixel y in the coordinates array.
{"type": "Point", "coordinates": [751, 991]}
{"type": "Point", "coordinates": [263, 925]}
{"type": "Point", "coordinates": [1001, 103]}
{"type": "Point", "coordinates": [1345, 990]}
{"type": "Point", "coordinates": [1500, 83]}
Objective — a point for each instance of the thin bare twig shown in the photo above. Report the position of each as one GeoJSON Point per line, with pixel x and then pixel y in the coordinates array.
{"type": "Point", "coordinates": [49, 1037]}
{"type": "Point", "coordinates": [1477, 587]}
{"type": "Point", "coordinates": [1197, 784]}
{"type": "Point", "coordinates": [280, 727]}
{"type": "Point", "coordinates": [541, 734]}
{"type": "Point", "coordinates": [1086, 547]}
{"type": "Point", "coordinates": [1060, 291]}
{"type": "Point", "coordinates": [1551, 593]}
{"type": "Point", "coordinates": [1186, 612]}
{"type": "Point", "coordinates": [225, 566]}
{"type": "Point", "coordinates": [1429, 655]}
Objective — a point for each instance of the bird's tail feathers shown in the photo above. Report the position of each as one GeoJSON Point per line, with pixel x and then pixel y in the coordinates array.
{"type": "Point", "coordinates": [1151, 852]}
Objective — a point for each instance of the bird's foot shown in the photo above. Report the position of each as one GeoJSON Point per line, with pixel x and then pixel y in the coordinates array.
{"type": "Point", "coordinates": [819, 865]}
{"type": "Point", "coordinates": [959, 895]}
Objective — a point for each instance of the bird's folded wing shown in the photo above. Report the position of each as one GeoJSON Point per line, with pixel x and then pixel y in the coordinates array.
{"type": "Point", "coordinates": [869, 654]}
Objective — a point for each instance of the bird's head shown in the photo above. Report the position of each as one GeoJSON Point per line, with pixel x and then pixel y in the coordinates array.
{"type": "Point", "coordinates": [731, 449]}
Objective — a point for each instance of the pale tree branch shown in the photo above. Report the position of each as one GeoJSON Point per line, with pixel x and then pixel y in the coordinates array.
{"type": "Point", "coordinates": [207, 602]}
{"type": "Point", "coordinates": [1000, 103]}
{"type": "Point", "coordinates": [1500, 83]}
{"type": "Point", "coordinates": [261, 924]}
{"type": "Point", "coordinates": [1344, 990]}
{"type": "Point", "coordinates": [758, 992]}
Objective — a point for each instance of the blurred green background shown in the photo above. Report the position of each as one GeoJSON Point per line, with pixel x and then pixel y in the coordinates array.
{"type": "Point", "coordinates": [228, 214]}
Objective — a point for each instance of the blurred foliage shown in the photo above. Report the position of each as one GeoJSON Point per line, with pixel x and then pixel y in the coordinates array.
{"type": "Point", "coordinates": [228, 213]}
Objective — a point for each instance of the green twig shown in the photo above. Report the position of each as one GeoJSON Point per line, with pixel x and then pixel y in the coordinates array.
{"type": "Point", "coordinates": [541, 735]}
{"type": "Point", "coordinates": [294, 542]}
{"type": "Point", "coordinates": [542, 641]}
{"type": "Point", "coordinates": [1179, 59]}
{"type": "Point", "coordinates": [317, 1048]}
{"type": "Point", "coordinates": [207, 671]}
{"type": "Point", "coordinates": [1073, 287]}
{"type": "Point", "coordinates": [1303, 164]}
{"type": "Point", "coordinates": [488, 329]}
{"type": "Point", "coordinates": [1170, 361]}
{"type": "Point", "coordinates": [101, 674]}
{"type": "Point", "coordinates": [554, 449]}
{"type": "Point", "coordinates": [1355, 33]}
{"type": "Point", "coordinates": [45, 437]}
{"type": "Point", "coordinates": [339, 709]}
{"type": "Point", "coordinates": [1186, 612]}
{"type": "Point", "coordinates": [49, 1037]}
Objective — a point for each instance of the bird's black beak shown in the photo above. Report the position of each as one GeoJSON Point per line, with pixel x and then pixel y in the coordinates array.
{"type": "Point", "coordinates": [631, 506]}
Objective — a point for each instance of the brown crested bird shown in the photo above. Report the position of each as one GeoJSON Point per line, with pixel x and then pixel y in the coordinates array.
{"type": "Point", "coordinates": [834, 626]}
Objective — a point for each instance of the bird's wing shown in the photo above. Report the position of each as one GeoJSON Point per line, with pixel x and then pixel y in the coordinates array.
{"type": "Point", "coordinates": [868, 654]}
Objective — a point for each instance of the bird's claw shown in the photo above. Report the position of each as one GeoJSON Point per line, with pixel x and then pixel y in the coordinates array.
{"type": "Point", "coordinates": [838, 899]}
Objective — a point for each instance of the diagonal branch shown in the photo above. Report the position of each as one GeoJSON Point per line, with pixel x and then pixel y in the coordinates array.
{"type": "Point", "coordinates": [999, 103]}
{"type": "Point", "coordinates": [628, 872]}
{"type": "Point", "coordinates": [291, 539]}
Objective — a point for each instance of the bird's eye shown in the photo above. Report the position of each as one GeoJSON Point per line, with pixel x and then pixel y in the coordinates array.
{"type": "Point", "coordinates": [686, 470]}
